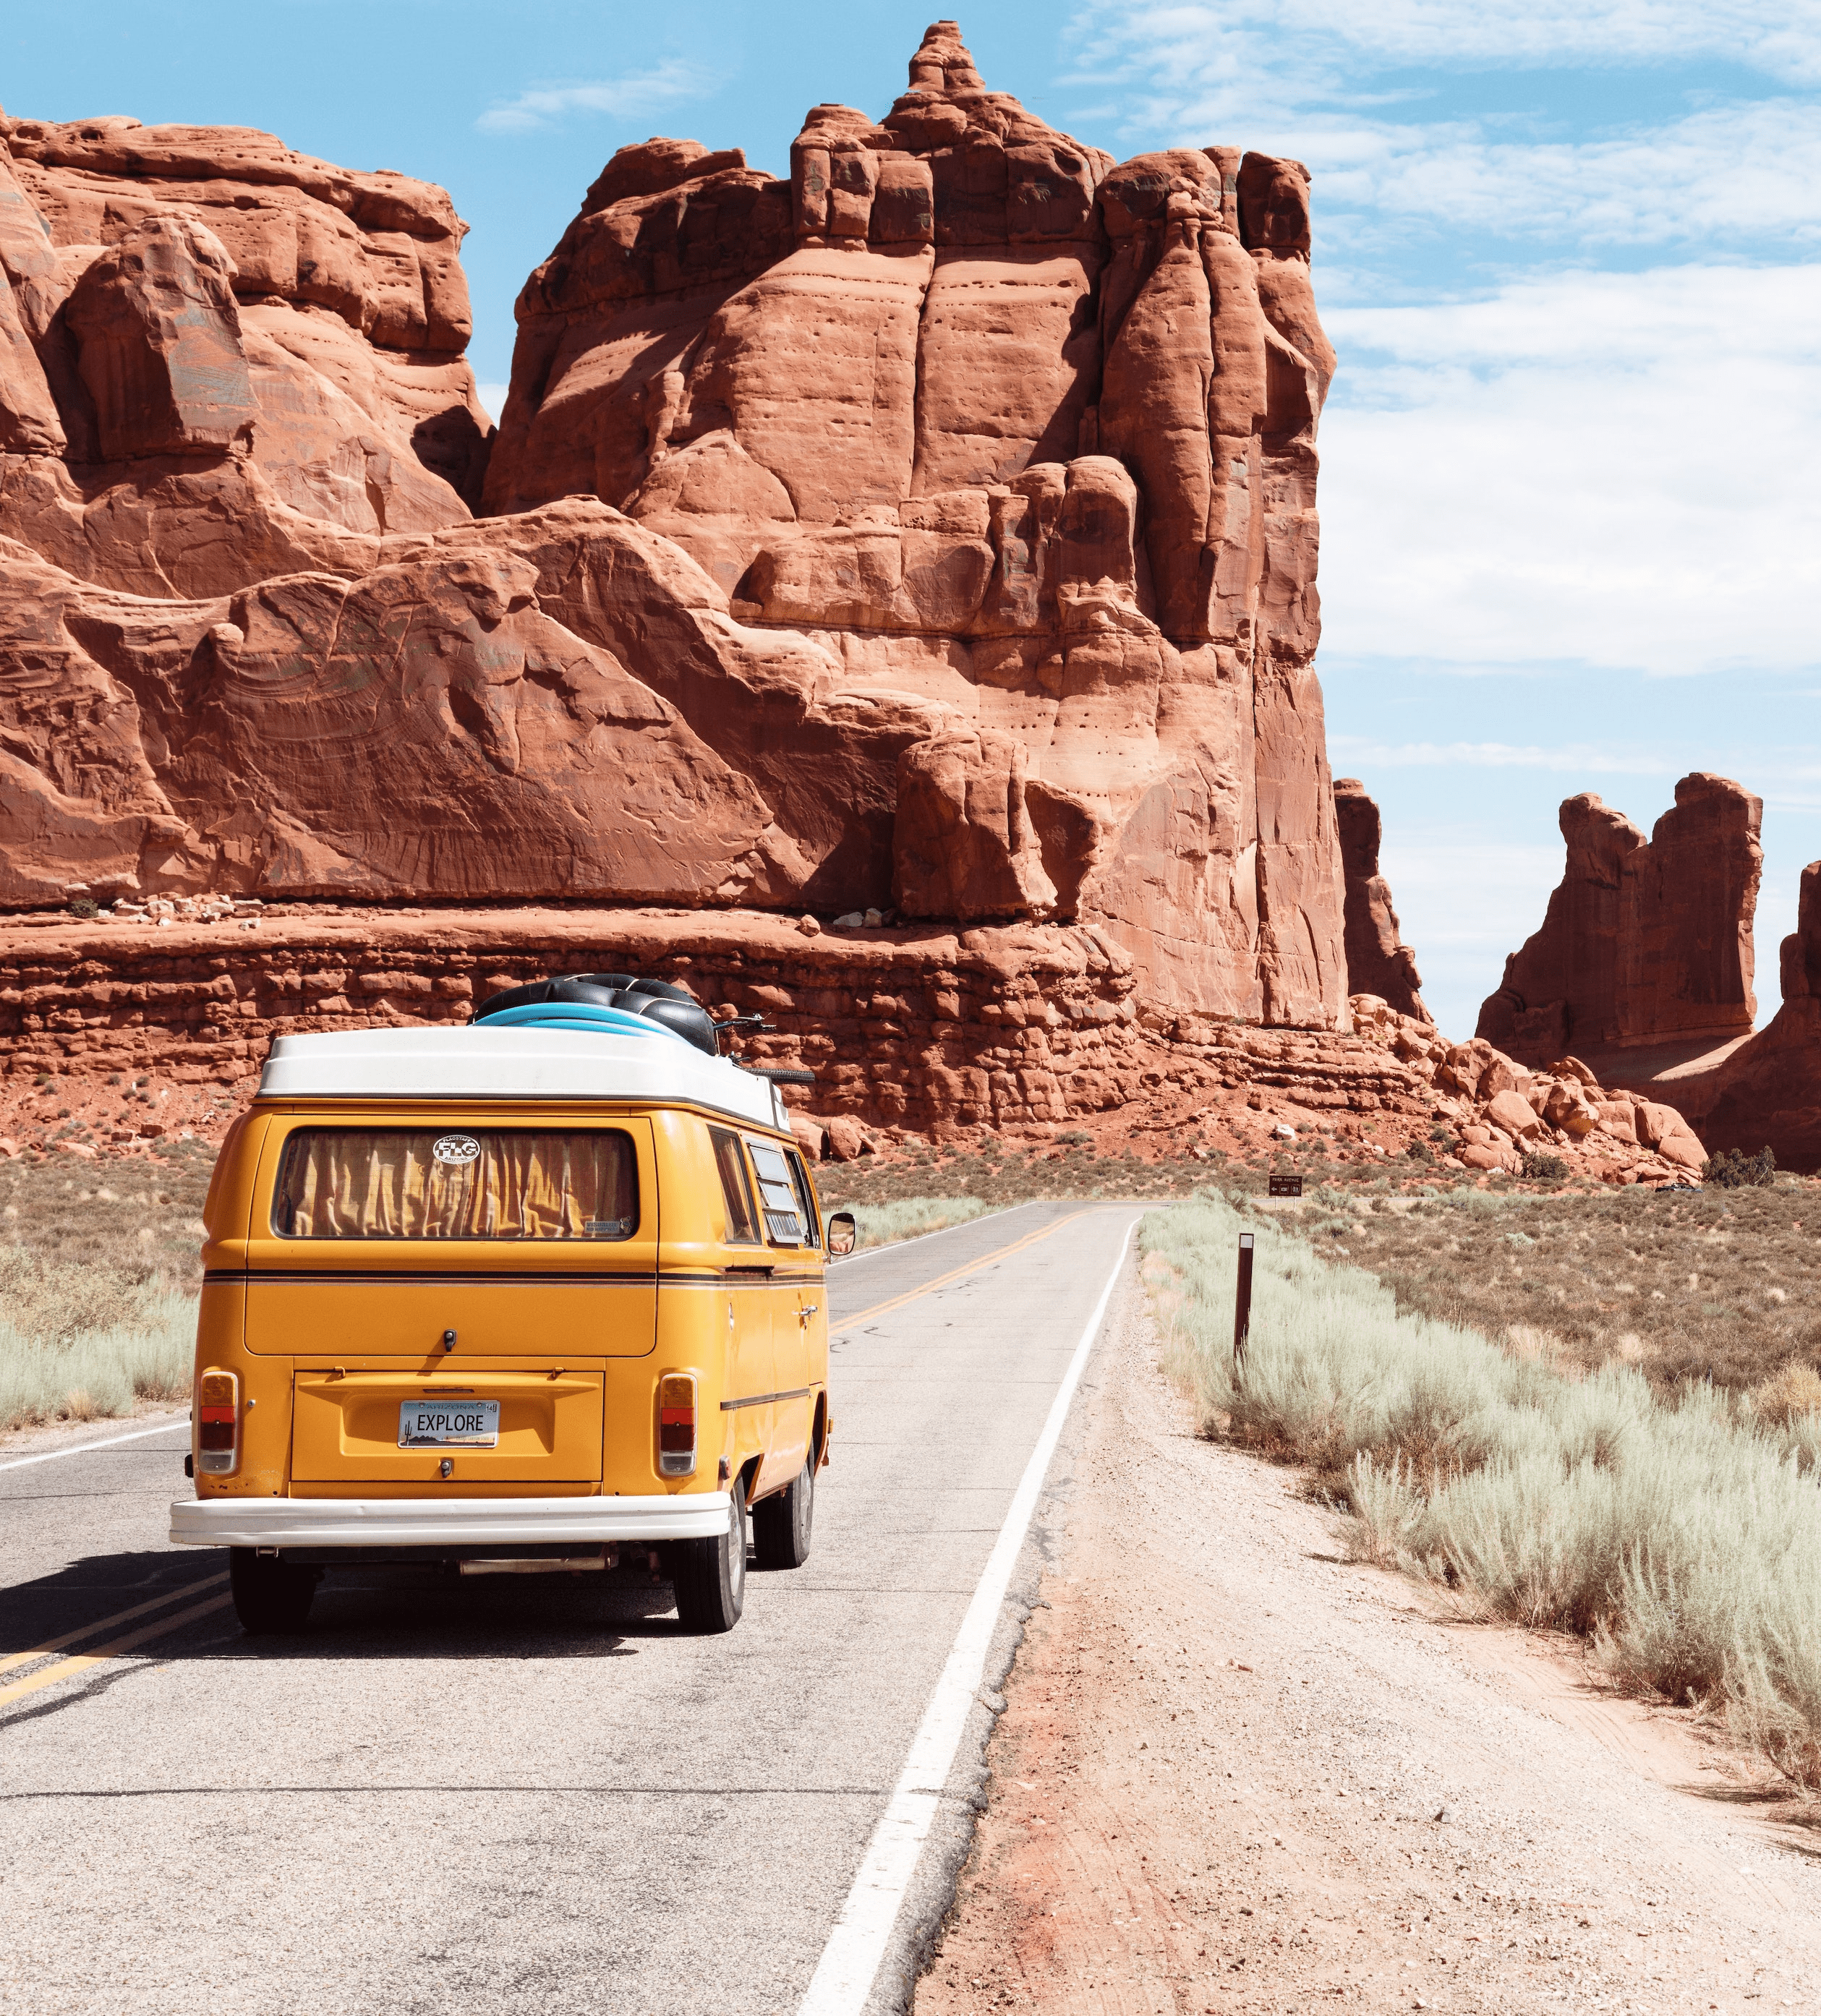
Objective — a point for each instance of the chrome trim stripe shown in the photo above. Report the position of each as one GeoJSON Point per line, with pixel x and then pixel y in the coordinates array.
{"type": "Point", "coordinates": [735, 1279]}
{"type": "Point", "coordinates": [765, 1399]}
{"type": "Point", "coordinates": [437, 1522]}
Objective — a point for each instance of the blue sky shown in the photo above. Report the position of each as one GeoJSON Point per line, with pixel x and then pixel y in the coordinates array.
{"type": "Point", "coordinates": [1570, 255]}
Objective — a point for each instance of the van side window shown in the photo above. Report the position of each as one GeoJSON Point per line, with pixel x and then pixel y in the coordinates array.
{"type": "Point", "coordinates": [777, 1195]}
{"type": "Point", "coordinates": [481, 1182]}
{"type": "Point", "coordinates": [743, 1226]}
{"type": "Point", "coordinates": [806, 1199]}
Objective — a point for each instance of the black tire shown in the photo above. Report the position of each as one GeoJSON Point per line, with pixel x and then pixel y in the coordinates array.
{"type": "Point", "coordinates": [269, 1596]}
{"type": "Point", "coordinates": [781, 1523]}
{"type": "Point", "coordinates": [709, 1576]}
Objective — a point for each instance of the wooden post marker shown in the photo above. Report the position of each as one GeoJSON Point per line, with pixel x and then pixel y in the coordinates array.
{"type": "Point", "coordinates": [1242, 1301]}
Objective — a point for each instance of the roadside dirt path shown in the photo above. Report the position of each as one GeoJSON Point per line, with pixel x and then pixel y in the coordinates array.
{"type": "Point", "coordinates": [1237, 1773]}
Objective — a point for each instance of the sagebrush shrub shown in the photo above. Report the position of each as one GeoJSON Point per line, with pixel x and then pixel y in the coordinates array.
{"type": "Point", "coordinates": [1680, 1535]}
{"type": "Point", "coordinates": [882, 1224]}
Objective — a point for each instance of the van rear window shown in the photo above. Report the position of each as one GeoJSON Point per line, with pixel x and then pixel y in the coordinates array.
{"type": "Point", "coordinates": [388, 1182]}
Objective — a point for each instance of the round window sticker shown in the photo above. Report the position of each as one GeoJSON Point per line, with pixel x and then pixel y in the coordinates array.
{"type": "Point", "coordinates": [456, 1150]}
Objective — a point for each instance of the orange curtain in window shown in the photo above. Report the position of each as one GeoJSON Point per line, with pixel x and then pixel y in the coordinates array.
{"type": "Point", "coordinates": [383, 1183]}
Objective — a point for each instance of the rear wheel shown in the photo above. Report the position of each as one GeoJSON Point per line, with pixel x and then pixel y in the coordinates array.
{"type": "Point", "coordinates": [709, 1576]}
{"type": "Point", "coordinates": [781, 1524]}
{"type": "Point", "coordinates": [269, 1595]}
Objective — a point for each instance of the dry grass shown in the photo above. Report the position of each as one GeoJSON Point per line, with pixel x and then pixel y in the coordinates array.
{"type": "Point", "coordinates": [98, 1266]}
{"type": "Point", "coordinates": [1718, 1285]}
{"type": "Point", "coordinates": [1016, 1172]}
{"type": "Point", "coordinates": [86, 1374]}
{"type": "Point", "coordinates": [910, 1217]}
{"type": "Point", "coordinates": [1012, 1174]}
{"type": "Point", "coordinates": [1679, 1533]}
{"type": "Point", "coordinates": [130, 1216]}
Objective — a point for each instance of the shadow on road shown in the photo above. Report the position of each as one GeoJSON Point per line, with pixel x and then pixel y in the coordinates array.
{"type": "Point", "coordinates": [399, 1613]}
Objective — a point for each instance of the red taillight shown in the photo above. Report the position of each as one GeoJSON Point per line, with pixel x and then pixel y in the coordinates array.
{"type": "Point", "coordinates": [217, 1418]}
{"type": "Point", "coordinates": [676, 1424]}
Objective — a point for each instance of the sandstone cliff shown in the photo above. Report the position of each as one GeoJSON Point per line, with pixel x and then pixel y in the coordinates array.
{"type": "Point", "coordinates": [1378, 961]}
{"type": "Point", "coordinates": [1643, 941]}
{"type": "Point", "coordinates": [1024, 442]}
{"type": "Point", "coordinates": [220, 360]}
{"type": "Point", "coordinates": [931, 532]}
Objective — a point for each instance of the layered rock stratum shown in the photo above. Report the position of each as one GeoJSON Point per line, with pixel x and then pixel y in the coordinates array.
{"type": "Point", "coordinates": [926, 1032]}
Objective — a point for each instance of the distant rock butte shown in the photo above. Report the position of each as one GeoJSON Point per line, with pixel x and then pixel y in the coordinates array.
{"type": "Point", "coordinates": [1378, 961]}
{"type": "Point", "coordinates": [932, 532]}
{"type": "Point", "coordinates": [1644, 941]}
{"type": "Point", "coordinates": [1765, 1092]}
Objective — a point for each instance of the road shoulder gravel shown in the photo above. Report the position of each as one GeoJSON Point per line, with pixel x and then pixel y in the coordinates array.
{"type": "Point", "coordinates": [1238, 1772]}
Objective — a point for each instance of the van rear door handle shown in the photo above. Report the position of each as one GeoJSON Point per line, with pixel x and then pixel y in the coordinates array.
{"type": "Point", "coordinates": [809, 1309]}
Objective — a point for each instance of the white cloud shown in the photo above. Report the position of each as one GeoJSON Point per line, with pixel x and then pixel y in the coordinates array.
{"type": "Point", "coordinates": [1300, 80]}
{"type": "Point", "coordinates": [1236, 57]}
{"type": "Point", "coordinates": [1728, 175]}
{"type": "Point", "coordinates": [1611, 470]}
{"type": "Point", "coordinates": [1457, 33]}
{"type": "Point", "coordinates": [675, 79]}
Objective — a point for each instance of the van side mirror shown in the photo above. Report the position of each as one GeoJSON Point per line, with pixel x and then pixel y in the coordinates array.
{"type": "Point", "coordinates": [843, 1234]}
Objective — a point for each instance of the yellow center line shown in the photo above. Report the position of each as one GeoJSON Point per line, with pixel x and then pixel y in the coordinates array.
{"type": "Point", "coordinates": [64, 1669]}
{"type": "Point", "coordinates": [954, 1274]}
{"type": "Point", "coordinates": [107, 1623]}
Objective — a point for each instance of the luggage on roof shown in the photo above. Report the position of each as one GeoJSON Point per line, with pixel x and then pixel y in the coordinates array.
{"type": "Point", "coordinates": [607, 1001]}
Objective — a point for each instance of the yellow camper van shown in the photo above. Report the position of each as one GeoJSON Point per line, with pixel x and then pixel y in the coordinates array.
{"type": "Point", "coordinates": [544, 1293]}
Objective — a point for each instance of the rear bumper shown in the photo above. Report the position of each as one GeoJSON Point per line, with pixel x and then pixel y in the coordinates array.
{"type": "Point", "coordinates": [435, 1523]}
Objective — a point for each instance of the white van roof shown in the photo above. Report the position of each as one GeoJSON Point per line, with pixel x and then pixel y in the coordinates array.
{"type": "Point", "coordinates": [479, 1062]}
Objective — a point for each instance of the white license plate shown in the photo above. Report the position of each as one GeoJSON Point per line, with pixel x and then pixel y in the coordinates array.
{"type": "Point", "coordinates": [444, 1424]}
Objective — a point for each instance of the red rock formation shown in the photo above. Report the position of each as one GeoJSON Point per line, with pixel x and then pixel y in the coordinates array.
{"type": "Point", "coordinates": [1378, 961]}
{"type": "Point", "coordinates": [157, 334]}
{"type": "Point", "coordinates": [222, 361]}
{"type": "Point", "coordinates": [287, 756]}
{"type": "Point", "coordinates": [1642, 940]}
{"type": "Point", "coordinates": [952, 401]}
{"type": "Point", "coordinates": [934, 530]}
{"type": "Point", "coordinates": [921, 1029]}
{"type": "Point", "coordinates": [1766, 1092]}
{"type": "Point", "coordinates": [1502, 1112]}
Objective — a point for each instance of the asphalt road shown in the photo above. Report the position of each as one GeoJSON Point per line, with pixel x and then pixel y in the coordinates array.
{"type": "Point", "coordinates": [522, 1793]}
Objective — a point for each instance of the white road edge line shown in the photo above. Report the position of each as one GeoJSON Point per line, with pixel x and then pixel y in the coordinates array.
{"type": "Point", "coordinates": [113, 1442]}
{"type": "Point", "coordinates": [850, 1963]}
